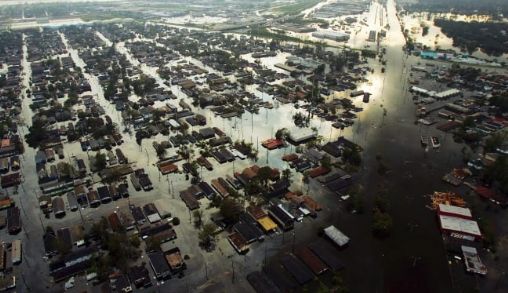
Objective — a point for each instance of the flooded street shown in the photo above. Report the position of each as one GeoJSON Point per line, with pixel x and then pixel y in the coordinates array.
{"type": "Point", "coordinates": [414, 250]}
{"type": "Point", "coordinates": [412, 259]}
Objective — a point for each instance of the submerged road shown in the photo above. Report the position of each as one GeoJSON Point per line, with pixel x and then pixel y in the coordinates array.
{"type": "Point", "coordinates": [413, 258]}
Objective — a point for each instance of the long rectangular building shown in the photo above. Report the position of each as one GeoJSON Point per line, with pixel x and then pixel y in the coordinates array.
{"type": "Point", "coordinates": [16, 251]}
{"type": "Point", "coordinates": [461, 227]}
{"type": "Point", "coordinates": [454, 211]}
{"type": "Point", "coordinates": [283, 219]}
{"type": "Point", "coordinates": [311, 260]}
{"type": "Point", "coordinates": [336, 235]}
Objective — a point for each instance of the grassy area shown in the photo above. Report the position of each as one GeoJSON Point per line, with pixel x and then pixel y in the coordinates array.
{"type": "Point", "coordinates": [107, 16]}
{"type": "Point", "coordinates": [303, 21]}
{"type": "Point", "coordinates": [263, 32]}
{"type": "Point", "coordinates": [295, 8]}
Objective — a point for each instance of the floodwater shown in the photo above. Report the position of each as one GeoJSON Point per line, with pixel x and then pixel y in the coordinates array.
{"type": "Point", "coordinates": [414, 252]}
{"type": "Point", "coordinates": [17, 2]}
{"type": "Point", "coordinates": [396, 138]}
{"type": "Point", "coordinates": [196, 19]}
{"type": "Point", "coordinates": [436, 39]}
{"type": "Point", "coordinates": [372, 19]}
{"type": "Point", "coordinates": [316, 7]}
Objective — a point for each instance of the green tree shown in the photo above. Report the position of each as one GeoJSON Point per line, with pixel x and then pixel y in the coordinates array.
{"type": "Point", "coordinates": [160, 150]}
{"type": "Point", "coordinates": [382, 224]}
{"type": "Point", "coordinates": [381, 203]}
{"type": "Point", "coordinates": [134, 241]}
{"type": "Point", "coordinates": [287, 174]}
{"type": "Point", "coordinates": [358, 203]}
{"type": "Point", "coordinates": [264, 174]}
{"type": "Point", "coordinates": [495, 141]}
{"type": "Point", "coordinates": [469, 122]}
{"type": "Point", "coordinates": [352, 156]}
{"type": "Point", "coordinates": [281, 133]}
{"type": "Point", "coordinates": [338, 284]}
{"type": "Point", "coordinates": [100, 161]}
{"type": "Point", "coordinates": [500, 101]}
{"type": "Point", "coordinates": [198, 217]}
{"type": "Point", "coordinates": [206, 234]}
{"type": "Point", "coordinates": [326, 162]}
{"type": "Point", "coordinates": [37, 133]}
{"type": "Point", "coordinates": [230, 209]}
{"type": "Point", "coordinates": [498, 172]}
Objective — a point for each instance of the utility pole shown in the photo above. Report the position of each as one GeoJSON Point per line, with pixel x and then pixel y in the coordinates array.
{"type": "Point", "coordinates": [206, 270]}
{"type": "Point", "coordinates": [22, 207]}
{"type": "Point", "coordinates": [233, 268]}
{"type": "Point", "coordinates": [264, 261]}
{"type": "Point", "coordinates": [81, 215]}
{"type": "Point", "coordinates": [294, 238]}
{"type": "Point", "coordinates": [24, 281]}
{"type": "Point", "coordinates": [172, 189]}
{"type": "Point", "coordinates": [42, 225]}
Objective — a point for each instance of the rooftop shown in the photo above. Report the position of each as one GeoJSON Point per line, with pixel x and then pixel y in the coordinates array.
{"type": "Point", "coordinates": [460, 225]}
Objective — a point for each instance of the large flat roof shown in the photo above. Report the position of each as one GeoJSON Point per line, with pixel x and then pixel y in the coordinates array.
{"type": "Point", "coordinates": [301, 134]}
{"type": "Point", "coordinates": [455, 210]}
{"type": "Point", "coordinates": [336, 235]}
{"type": "Point", "coordinates": [460, 225]}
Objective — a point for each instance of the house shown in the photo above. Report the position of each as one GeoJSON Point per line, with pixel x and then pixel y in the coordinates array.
{"type": "Point", "coordinates": [114, 222]}
{"type": "Point", "coordinates": [81, 167]}
{"type": "Point", "coordinates": [140, 276]}
{"type": "Point", "coordinates": [256, 212]}
{"type": "Point", "coordinates": [93, 198]}
{"type": "Point", "coordinates": [50, 243]}
{"type": "Point", "coordinates": [64, 238]}
{"type": "Point", "coordinates": [40, 157]}
{"type": "Point", "coordinates": [73, 263]}
{"type": "Point", "coordinates": [13, 220]}
{"type": "Point", "coordinates": [121, 283]}
{"type": "Point", "coordinates": [137, 214]}
{"type": "Point", "coordinates": [159, 265]}
{"type": "Point", "coordinates": [250, 232]}
{"type": "Point", "coordinates": [313, 155]}
{"type": "Point", "coordinates": [126, 219]}
{"type": "Point", "coordinates": [4, 165]}
{"type": "Point", "coordinates": [58, 207]}
{"type": "Point", "coordinates": [238, 242]}
{"type": "Point", "coordinates": [154, 229]}
{"type": "Point", "coordinates": [278, 188]}
{"type": "Point", "coordinates": [283, 218]}
{"type": "Point", "coordinates": [207, 133]}
{"type": "Point", "coordinates": [175, 260]}
{"type": "Point", "coordinates": [151, 213]}
{"type": "Point", "coordinates": [104, 194]}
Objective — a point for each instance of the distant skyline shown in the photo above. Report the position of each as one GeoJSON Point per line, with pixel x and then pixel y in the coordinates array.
{"type": "Point", "coordinates": [15, 2]}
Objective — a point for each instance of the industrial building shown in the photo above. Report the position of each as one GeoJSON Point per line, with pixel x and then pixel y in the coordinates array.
{"type": "Point", "coordinates": [331, 35]}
